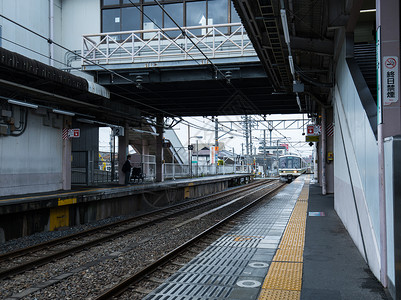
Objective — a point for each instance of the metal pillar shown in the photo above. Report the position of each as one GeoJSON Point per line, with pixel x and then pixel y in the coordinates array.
{"type": "Point", "coordinates": [264, 152]}
{"type": "Point", "coordinates": [323, 147]}
{"type": "Point", "coordinates": [122, 154]}
{"type": "Point", "coordinates": [216, 132]}
{"type": "Point", "coordinates": [66, 164]}
{"type": "Point", "coordinates": [159, 148]}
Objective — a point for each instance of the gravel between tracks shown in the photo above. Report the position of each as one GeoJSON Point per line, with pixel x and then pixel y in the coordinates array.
{"type": "Point", "coordinates": [110, 262]}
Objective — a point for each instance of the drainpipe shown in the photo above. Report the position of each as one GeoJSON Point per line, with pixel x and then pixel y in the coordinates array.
{"type": "Point", "coordinates": [51, 37]}
{"type": "Point", "coordinates": [323, 146]}
{"type": "Point", "coordinates": [380, 142]}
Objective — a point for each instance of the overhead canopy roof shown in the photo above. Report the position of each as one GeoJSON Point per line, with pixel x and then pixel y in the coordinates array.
{"type": "Point", "coordinates": [312, 27]}
{"type": "Point", "coordinates": [195, 91]}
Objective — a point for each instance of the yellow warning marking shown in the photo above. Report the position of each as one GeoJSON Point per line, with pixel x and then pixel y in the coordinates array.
{"type": "Point", "coordinates": [280, 295]}
{"type": "Point", "coordinates": [294, 254]}
{"type": "Point", "coordinates": [186, 192]}
{"type": "Point", "coordinates": [284, 278]}
{"type": "Point", "coordinates": [59, 217]}
{"type": "Point", "coordinates": [67, 201]}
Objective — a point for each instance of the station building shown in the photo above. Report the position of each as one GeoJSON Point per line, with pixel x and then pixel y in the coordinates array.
{"type": "Point", "coordinates": [84, 64]}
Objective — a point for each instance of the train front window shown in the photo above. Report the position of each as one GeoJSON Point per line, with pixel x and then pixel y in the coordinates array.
{"type": "Point", "coordinates": [283, 163]}
{"type": "Point", "coordinates": [297, 163]}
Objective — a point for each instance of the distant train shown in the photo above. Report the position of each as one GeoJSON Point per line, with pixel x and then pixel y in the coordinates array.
{"type": "Point", "coordinates": [291, 166]}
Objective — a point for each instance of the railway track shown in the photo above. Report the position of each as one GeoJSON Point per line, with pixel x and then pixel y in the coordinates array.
{"type": "Point", "coordinates": [25, 259]}
{"type": "Point", "coordinates": [166, 263]}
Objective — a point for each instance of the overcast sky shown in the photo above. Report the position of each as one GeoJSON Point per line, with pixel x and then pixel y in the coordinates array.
{"type": "Point", "coordinates": [204, 127]}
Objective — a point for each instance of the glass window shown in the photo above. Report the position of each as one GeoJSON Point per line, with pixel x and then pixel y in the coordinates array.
{"type": "Point", "coordinates": [283, 163]}
{"type": "Point", "coordinates": [234, 16]}
{"type": "Point", "coordinates": [154, 12]}
{"type": "Point", "coordinates": [131, 19]}
{"type": "Point", "coordinates": [290, 163]}
{"type": "Point", "coordinates": [111, 2]}
{"type": "Point", "coordinates": [217, 12]}
{"type": "Point", "coordinates": [111, 20]}
{"type": "Point", "coordinates": [176, 11]}
{"type": "Point", "coordinates": [196, 15]}
{"type": "Point", "coordinates": [129, 2]}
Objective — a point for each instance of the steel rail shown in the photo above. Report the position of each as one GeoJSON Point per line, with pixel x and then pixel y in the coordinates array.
{"type": "Point", "coordinates": [124, 285]}
{"type": "Point", "coordinates": [23, 251]}
{"type": "Point", "coordinates": [65, 252]}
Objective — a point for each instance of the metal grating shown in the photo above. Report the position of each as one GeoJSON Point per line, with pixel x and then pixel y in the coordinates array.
{"type": "Point", "coordinates": [284, 279]}
{"type": "Point", "coordinates": [217, 272]}
{"type": "Point", "coordinates": [188, 291]}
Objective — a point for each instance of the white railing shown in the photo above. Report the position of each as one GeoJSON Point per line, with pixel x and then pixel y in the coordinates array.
{"type": "Point", "coordinates": [154, 45]}
{"type": "Point", "coordinates": [173, 171]}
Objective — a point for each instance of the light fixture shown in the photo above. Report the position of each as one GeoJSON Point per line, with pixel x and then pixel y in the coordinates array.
{"type": "Point", "coordinates": [86, 121]}
{"type": "Point", "coordinates": [143, 131]}
{"type": "Point", "coordinates": [367, 10]}
{"type": "Point", "coordinates": [285, 26]}
{"type": "Point", "coordinates": [20, 103]}
{"type": "Point", "coordinates": [63, 112]}
{"type": "Point", "coordinates": [291, 61]}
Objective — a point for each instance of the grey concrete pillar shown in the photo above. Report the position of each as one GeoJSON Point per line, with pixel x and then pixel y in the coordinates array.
{"type": "Point", "coordinates": [123, 144]}
{"type": "Point", "coordinates": [66, 163]}
{"type": "Point", "coordinates": [159, 148]}
{"type": "Point", "coordinates": [389, 124]}
{"type": "Point", "coordinates": [388, 20]}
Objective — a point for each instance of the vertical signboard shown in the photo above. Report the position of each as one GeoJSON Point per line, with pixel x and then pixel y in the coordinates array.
{"type": "Point", "coordinates": [213, 154]}
{"type": "Point", "coordinates": [390, 79]}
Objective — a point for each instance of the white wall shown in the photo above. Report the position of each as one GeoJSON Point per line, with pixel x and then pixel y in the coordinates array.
{"type": "Point", "coordinates": [35, 16]}
{"type": "Point", "coordinates": [78, 18]}
{"type": "Point", "coordinates": [361, 152]}
{"type": "Point", "coordinates": [31, 162]}
{"type": "Point", "coordinates": [388, 154]}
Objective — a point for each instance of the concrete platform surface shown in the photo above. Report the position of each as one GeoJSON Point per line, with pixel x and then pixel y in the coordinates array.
{"type": "Point", "coordinates": [279, 251]}
{"type": "Point", "coordinates": [334, 269]}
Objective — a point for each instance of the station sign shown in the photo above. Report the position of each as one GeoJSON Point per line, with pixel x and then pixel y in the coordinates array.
{"type": "Point", "coordinates": [390, 79]}
{"type": "Point", "coordinates": [71, 133]}
{"type": "Point", "coordinates": [314, 130]}
{"type": "Point", "coordinates": [118, 131]}
{"type": "Point", "coordinates": [74, 133]}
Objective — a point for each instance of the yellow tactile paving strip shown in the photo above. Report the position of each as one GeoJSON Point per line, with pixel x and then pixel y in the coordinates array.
{"type": "Point", "coordinates": [284, 279]}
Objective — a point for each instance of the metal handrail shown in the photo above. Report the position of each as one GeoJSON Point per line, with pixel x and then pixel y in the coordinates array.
{"type": "Point", "coordinates": [154, 45]}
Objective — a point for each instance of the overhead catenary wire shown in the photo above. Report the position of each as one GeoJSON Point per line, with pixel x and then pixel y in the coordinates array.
{"type": "Point", "coordinates": [130, 80]}
{"type": "Point", "coordinates": [98, 65]}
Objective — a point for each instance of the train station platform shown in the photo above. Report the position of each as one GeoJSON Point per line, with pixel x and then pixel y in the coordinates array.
{"type": "Point", "coordinates": [27, 214]}
{"type": "Point", "coordinates": [294, 247]}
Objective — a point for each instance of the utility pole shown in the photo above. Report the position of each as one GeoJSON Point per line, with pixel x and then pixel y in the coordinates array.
{"type": "Point", "coordinates": [264, 152]}
{"type": "Point", "coordinates": [250, 134]}
{"type": "Point", "coordinates": [246, 135]}
{"type": "Point", "coordinates": [216, 132]}
{"type": "Point", "coordinates": [270, 129]}
{"type": "Point", "coordinates": [189, 151]}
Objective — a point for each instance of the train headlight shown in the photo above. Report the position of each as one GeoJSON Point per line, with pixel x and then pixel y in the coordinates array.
{"type": "Point", "coordinates": [295, 171]}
